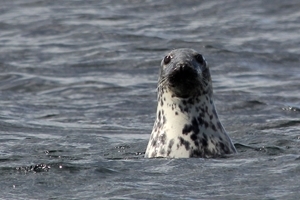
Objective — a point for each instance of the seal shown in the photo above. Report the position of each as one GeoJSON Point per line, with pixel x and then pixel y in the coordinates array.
{"type": "Point", "coordinates": [187, 124]}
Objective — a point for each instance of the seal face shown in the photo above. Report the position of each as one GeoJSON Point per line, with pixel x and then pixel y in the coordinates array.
{"type": "Point", "coordinates": [187, 123]}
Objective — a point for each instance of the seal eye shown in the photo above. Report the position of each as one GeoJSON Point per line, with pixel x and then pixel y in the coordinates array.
{"type": "Point", "coordinates": [167, 60]}
{"type": "Point", "coordinates": [200, 59]}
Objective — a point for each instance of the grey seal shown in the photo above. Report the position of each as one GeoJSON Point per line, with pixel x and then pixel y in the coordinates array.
{"type": "Point", "coordinates": [187, 124]}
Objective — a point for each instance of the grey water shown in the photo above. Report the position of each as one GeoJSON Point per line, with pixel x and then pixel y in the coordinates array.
{"type": "Point", "coordinates": [78, 98]}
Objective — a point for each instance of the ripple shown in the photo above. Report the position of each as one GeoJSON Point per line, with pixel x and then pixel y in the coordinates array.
{"type": "Point", "coordinates": [77, 98]}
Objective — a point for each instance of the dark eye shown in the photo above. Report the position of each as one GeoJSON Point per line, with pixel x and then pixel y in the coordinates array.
{"type": "Point", "coordinates": [167, 59]}
{"type": "Point", "coordinates": [200, 59]}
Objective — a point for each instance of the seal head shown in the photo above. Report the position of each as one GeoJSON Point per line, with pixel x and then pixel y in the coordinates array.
{"type": "Point", "coordinates": [187, 124]}
{"type": "Point", "coordinates": [186, 73]}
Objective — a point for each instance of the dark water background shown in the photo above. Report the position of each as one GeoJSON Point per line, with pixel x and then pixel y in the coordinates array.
{"type": "Point", "coordinates": [78, 98]}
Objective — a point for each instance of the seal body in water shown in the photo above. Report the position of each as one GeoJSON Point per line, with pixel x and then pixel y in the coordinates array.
{"type": "Point", "coordinates": [187, 123]}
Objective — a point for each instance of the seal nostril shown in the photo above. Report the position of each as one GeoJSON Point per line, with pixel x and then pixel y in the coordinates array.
{"type": "Point", "coordinates": [183, 66]}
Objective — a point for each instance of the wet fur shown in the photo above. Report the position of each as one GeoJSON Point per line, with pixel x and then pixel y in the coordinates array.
{"type": "Point", "coordinates": [187, 124]}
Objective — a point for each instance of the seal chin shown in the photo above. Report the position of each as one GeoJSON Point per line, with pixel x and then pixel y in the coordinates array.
{"type": "Point", "coordinates": [184, 81]}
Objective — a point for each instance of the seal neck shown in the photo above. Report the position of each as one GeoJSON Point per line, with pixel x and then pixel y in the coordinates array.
{"type": "Point", "coordinates": [185, 106]}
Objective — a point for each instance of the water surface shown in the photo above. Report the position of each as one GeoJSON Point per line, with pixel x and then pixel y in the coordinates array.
{"type": "Point", "coordinates": [78, 98]}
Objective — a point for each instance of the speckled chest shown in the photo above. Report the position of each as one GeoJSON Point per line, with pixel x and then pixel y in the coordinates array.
{"type": "Point", "coordinates": [187, 128]}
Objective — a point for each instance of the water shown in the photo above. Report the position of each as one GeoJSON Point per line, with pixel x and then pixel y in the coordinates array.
{"type": "Point", "coordinates": [77, 98]}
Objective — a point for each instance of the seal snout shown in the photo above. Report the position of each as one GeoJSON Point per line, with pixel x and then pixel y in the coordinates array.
{"type": "Point", "coordinates": [183, 79]}
{"type": "Point", "coordinates": [183, 72]}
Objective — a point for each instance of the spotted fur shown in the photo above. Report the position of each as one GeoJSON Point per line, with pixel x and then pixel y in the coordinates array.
{"type": "Point", "coordinates": [187, 124]}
